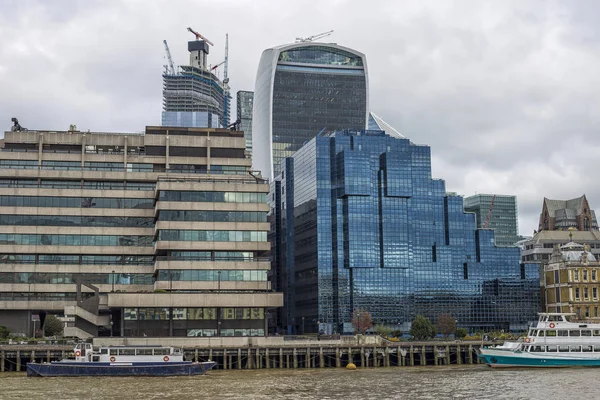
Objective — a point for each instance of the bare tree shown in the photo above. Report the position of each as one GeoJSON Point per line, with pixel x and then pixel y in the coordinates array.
{"type": "Point", "coordinates": [446, 324]}
{"type": "Point", "coordinates": [361, 319]}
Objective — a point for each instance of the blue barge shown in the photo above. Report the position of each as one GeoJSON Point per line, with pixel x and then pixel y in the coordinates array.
{"type": "Point", "coordinates": [121, 361]}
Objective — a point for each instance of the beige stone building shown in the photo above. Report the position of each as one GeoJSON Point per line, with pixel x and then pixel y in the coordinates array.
{"type": "Point", "coordinates": [571, 282]}
{"type": "Point", "coordinates": [155, 234]}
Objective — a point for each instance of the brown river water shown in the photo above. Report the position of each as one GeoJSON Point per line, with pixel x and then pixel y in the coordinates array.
{"type": "Point", "coordinates": [451, 382]}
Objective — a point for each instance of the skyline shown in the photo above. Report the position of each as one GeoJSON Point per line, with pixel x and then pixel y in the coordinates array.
{"type": "Point", "coordinates": [494, 89]}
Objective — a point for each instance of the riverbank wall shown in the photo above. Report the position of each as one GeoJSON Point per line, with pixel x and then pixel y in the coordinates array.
{"type": "Point", "coordinates": [263, 353]}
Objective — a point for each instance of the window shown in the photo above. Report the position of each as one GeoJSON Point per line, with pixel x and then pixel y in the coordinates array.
{"type": "Point", "coordinates": [576, 293]}
{"type": "Point", "coordinates": [594, 275]}
{"type": "Point", "coordinates": [595, 293]}
{"type": "Point", "coordinates": [586, 293]}
{"type": "Point", "coordinates": [585, 274]}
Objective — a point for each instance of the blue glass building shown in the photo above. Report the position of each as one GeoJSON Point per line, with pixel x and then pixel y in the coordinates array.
{"type": "Point", "coordinates": [358, 223]}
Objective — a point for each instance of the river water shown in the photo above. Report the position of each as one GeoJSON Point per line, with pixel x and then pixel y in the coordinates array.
{"type": "Point", "coordinates": [451, 382]}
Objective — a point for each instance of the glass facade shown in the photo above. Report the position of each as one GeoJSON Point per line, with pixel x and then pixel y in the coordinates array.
{"type": "Point", "coordinates": [301, 90]}
{"type": "Point", "coordinates": [364, 226]}
{"type": "Point", "coordinates": [504, 218]}
{"type": "Point", "coordinates": [245, 101]}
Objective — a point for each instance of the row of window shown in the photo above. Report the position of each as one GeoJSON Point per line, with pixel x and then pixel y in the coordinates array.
{"type": "Point", "coordinates": [206, 313]}
{"type": "Point", "coordinates": [586, 293]}
{"type": "Point", "coordinates": [75, 220]}
{"type": "Point", "coordinates": [212, 275]}
{"type": "Point", "coordinates": [584, 275]}
{"type": "Point", "coordinates": [217, 197]}
{"type": "Point", "coordinates": [565, 332]}
{"type": "Point", "coordinates": [68, 278]}
{"type": "Point", "coordinates": [74, 240]}
{"type": "Point", "coordinates": [76, 259]}
{"type": "Point", "coordinates": [240, 332]}
{"type": "Point", "coordinates": [209, 256]}
{"type": "Point", "coordinates": [99, 185]}
{"type": "Point", "coordinates": [175, 235]}
{"type": "Point", "coordinates": [565, 349]}
{"type": "Point", "coordinates": [75, 202]}
{"type": "Point", "coordinates": [213, 216]}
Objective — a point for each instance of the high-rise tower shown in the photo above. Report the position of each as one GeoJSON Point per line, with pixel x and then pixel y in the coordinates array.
{"type": "Point", "coordinates": [193, 96]}
{"type": "Point", "coordinates": [300, 90]}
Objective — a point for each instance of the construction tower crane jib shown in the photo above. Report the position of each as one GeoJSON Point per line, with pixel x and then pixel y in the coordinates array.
{"type": "Point", "coordinates": [199, 36]}
{"type": "Point", "coordinates": [313, 37]}
{"type": "Point", "coordinates": [170, 65]}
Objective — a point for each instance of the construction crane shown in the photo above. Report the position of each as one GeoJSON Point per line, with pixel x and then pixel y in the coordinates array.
{"type": "Point", "coordinates": [217, 66]}
{"type": "Point", "coordinates": [313, 37]}
{"type": "Point", "coordinates": [225, 62]}
{"type": "Point", "coordinates": [489, 214]}
{"type": "Point", "coordinates": [170, 65]}
{"type": "Point", "coordinates": [199, 36]}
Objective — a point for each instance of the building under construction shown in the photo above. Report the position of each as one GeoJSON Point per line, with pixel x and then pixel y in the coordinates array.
{"type": "Point", "coordinates": [193, 96]}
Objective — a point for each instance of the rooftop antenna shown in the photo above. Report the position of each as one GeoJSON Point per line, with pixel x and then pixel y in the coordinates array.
{"type": "Point", "coordinates": [170, 66]}
{"type": "Point", "coordinates": [313, 37]}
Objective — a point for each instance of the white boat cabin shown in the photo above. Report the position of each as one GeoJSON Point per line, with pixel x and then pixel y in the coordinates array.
{"type": "Point", "coordinates": [555, 333]}
{"type": "Point", "coordinates": [85, 352]}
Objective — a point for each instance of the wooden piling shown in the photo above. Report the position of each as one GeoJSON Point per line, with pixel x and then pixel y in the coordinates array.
{"type": "Point", "coordinates": [387, 357]}
{"type": "Point", "coordinates": [239, 361]}
{"type": "Point", "coordinates": [470, 354]}
{"type": "Point", "coordinates": [307, 363]}
{"type": "Point", "coordinates": [424, 356]}
{"type": "Point", "coordinates": [321, 358]}
{"type": "Point", "coordinates": [2, 361]}
{"type": "Point", "coordinates": [447, 355]}
{"type": "Point", "coordinates": [18, 361]}
{"type": "Point", "coordinates": [338, 360]}
{"type": "Point", "coordinates": [280, 357]}
{"type": "Point", "coordinates": [295, 355]}
{"type": "Point", "coordinates": [412, 357]}
{"type": "Point", "coordinates": [362, 357]}
{"type": "Point", "coordinates": [267, 366]}
{"type": "Point", "coordinates": [458, 355]}
{"type": "Point", "coordinates": [196, 355]}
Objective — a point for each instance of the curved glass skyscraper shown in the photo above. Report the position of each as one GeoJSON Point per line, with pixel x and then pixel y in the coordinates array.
{"type": "Point", "coordinates": [300, 90]}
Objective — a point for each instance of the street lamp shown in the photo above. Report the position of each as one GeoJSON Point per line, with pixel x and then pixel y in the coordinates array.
{"type": "Point", "coordinates": [113, 281]}
{"type": "Point", "coordinates": [219, 281]}
{"type": "Point", "coordinates": [111, 328]}
{"type": "Point", "coordinates": [303, 325]}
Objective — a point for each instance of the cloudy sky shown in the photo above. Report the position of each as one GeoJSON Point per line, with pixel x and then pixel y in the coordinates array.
{"type": "Point", "coordinates": [506, 93]}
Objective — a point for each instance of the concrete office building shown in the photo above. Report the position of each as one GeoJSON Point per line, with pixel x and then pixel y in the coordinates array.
{"type": "Point", "coordinates": [300, 90]}
{"type": "Point", "coordinates": [503, 216]}
{"type": "Point", "coordinates": [155, 234]}
{"type": "Point", "coordinates": [358, 223]}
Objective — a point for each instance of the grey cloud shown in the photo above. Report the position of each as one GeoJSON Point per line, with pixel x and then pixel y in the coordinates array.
{"type": "Point", "coordinates": [505, 93]}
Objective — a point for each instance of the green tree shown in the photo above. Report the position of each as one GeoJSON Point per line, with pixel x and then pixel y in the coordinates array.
{"type": "Point", "coordinates": [361, 319]}
{"type": "Point", "coordinates": [461, 333]}
{"type": "Point", "coordinates": [383, 330]}
{"type": "Point", "coordinates": [446, 324]}
{"type": "Point", "coordinates": [422, 328]}
{"type": "Point", "coordinates": [4, 332]}
{"type": "Point", "coordinates": [53, 326]}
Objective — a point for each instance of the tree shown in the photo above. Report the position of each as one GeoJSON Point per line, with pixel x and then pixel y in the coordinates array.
{"type": "Point", "coordinates": [446, 324]}
{"type": "Point", "coordinates": [422, 328]}
{"type": "Point", "coordinates": [361, 319]}
{"type": "Point", "coordinates": [53, 326]}
{"type": "Point", "coordinates": [383, 330]}
{"type": "Point", "coordinates": [4, 332]}
{"type": "Point", "coordinates": [461, 333]}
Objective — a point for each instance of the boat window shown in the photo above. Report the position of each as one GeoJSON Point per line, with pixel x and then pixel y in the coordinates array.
{"type": "Point", "coordinates": [103, 351]}
{"type": "Point", "coordinates": [586, 349]}
{"type": "Point", "coordinates": [144, 352]}
{"type": "Point", "coordinates": [126, 352]}
{"type": "Point", "coordinates": [533, 333]}
{"type": "Point", "coordinates": [161, 352]}
{"type": "Point", "coordinates": [597, 348]}
{"type": "Point", "coordinates": [596, 332]}
{"type": "Point", "coordinates": [586, 333]}
{"type": "Point", "coordinates": [574, 333]}
{"type": "Point", "coordinates": [563, 333]}
{"type": "Point", "coordinates": [537, 348]}
{"type": "Point", "coordinates": [575, 349]}
{"type": "Point", "coordinates": [551, 348]}
{"type": "Point", "coordinates": [563, 349]}
{"type": "Point", "coordinates": [551, 333]}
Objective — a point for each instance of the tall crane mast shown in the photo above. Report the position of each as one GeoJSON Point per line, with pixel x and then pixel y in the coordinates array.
{"type": "Point", "coordinates": [170, 65]}
{"type": "Point", "coordinates": [199, 36]}
{"type": "Point", "coordinates": [226, 67]}
{"type": "Point", "coordinates": [313, 37]}
{"type": "Point", "coordinates": [489, 214]}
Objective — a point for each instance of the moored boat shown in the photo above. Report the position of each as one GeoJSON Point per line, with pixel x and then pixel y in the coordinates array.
{"type": "Point", "coordinates": [121, 361]}
{"type": "Point", "coordinates": [553, 342]}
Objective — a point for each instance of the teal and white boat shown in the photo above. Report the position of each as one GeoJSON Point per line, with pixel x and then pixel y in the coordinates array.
{"type": "Point", "coordinates": [553, 342]}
